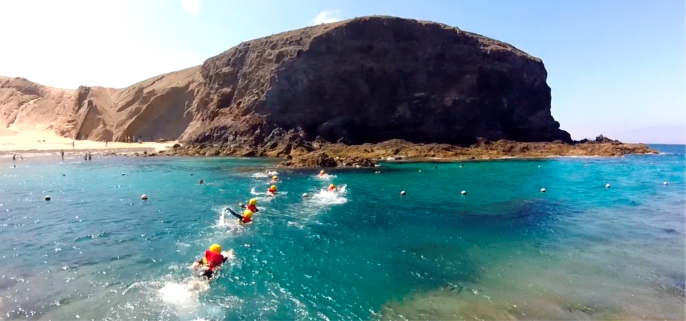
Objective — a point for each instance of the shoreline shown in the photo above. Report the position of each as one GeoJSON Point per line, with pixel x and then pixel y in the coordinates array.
{"type": "Point", "coordinates": [304, 154]}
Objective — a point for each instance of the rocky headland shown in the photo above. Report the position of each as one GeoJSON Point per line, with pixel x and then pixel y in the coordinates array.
{"type": "Point", "coordinates": [340, 94]}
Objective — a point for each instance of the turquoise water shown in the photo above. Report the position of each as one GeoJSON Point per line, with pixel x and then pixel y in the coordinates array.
{"type": "Point", "coordinates": [505, 250]}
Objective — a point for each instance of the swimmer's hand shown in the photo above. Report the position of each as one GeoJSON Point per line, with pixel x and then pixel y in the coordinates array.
{"type": "Point", "coordinates": [241, 204]}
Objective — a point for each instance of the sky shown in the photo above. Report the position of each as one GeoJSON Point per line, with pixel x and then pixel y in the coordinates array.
{"type": "Point", "coordinates": [616, 67]}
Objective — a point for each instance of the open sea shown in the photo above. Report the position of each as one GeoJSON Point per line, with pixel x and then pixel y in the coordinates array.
{"type": "Point", "coordinates": [504, 251]}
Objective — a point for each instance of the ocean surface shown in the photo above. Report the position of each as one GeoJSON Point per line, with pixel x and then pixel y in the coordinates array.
{"type": "Point", "coordinates": [505, 250]}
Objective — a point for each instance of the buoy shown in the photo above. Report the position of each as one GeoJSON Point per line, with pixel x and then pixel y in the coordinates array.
{"type": "Point", "coordinates": [464, 193]}
{"type": "Point", "coordinates": [306, 195]}
{"type": "Point", "coordinates": [542, 190]}
{"type": "Point", "coordinates": [144, 197]}
{"type": "Point", "coordinates": [607, 185]}
{"type": "Point", "coordinates": [665, 183]}
{"type": "Point", "coordinates": [539, 166]}
{"type": "Point", "coordinates": [402, 193]}
{"type": "Point", "coordinates": [47, 198]}
{"type": "Point", "coordinates": [201, 182]}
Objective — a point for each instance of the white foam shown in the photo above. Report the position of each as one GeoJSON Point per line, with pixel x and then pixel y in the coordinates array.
{"type": "Point", "coordinates": [325, 177]}
{"type": "Point", "coordinates": [325, 197]}
{"type": "Point", "coordinates": [260, 175]}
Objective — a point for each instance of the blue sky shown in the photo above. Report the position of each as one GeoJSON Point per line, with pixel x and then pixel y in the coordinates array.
{"type": "Point", "coordinates": [615, 67]}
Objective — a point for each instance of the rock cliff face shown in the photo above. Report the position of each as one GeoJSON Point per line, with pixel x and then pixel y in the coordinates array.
{"type": "Point", "coordinates": [374, 79]}
{"type": "Point", "coordinates": [364, 80]}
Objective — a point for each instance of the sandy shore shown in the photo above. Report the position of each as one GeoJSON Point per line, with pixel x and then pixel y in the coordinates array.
{"type": "Point", "coordinates": [32, 143]}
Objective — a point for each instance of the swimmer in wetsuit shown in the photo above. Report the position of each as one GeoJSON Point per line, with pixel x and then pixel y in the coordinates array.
{"type": "Point", "coordinates": [252, 205]}
{"type": "Point", "coordinates": [272, 190]}
{"type": "Point", "coordinates": [245, 218]}
{"type": "Point", "coordinates": [213, 258]}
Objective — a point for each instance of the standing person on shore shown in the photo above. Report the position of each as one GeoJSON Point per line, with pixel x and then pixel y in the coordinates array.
{"type": "Point", "coordinates": [62, 152]}
{"type": "Point", "coordinates": [89, 155]}
{"type": "Point", "coordinates": [14, 157]}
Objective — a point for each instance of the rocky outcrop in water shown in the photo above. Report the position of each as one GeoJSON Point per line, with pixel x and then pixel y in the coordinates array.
{"type": "Point", "coordinates": [372, 79]}
{"type": "Point", "coordinates": [412, 88]}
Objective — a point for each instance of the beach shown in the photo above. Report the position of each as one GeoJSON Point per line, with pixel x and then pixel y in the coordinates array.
{"type": "Point", "coordinates": [42, 143]}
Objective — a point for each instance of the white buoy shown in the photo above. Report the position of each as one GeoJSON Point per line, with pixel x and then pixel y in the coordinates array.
{"type": "Point", "coordinates": [144, 197]}
{"type": "Point", "coordinates": [464, 193]}
{"type": "Point", "coordinates": [665, 183]}
{"type": "Point", "coordinates": [402, 193]}
{"type": "Point", "coordinates": [542, 190]}
{"type": "Point", "coordinates": [539, 166]}
{"type": "Point", "coordinates": [607, 185]}
{"type": "Point", "coordinates": [47, 198]}
{"type": "Point", "coordinates": [306, 195]}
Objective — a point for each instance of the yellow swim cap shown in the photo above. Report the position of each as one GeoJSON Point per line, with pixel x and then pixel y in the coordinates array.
{"type": "Point", "coordinates": [252, 201]}
{"type": "Point", "coordinates": [247, 213]}
{"type": "Point", "coordinates": [275, 177]}
{"type": "Point", "coordinates": [322, 172]}
{"type": "Point", "coordinates": [332, 185]}
{"type": "Point", "coordinates": [273, 187]}
{"type": "Point", "coordinates": [216, 248]}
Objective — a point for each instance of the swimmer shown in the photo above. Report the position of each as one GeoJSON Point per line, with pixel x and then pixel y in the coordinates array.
{"type": "Point", "coordinates": [245, 218]}
{"type": "Point", "coordinates": [332, 188]}
{"type": "Point", "coordinates": [212, 260]}
{"type": "Point", "coordinates": [322, 173]}
{"type": "Point", "coordinates": [272, 190]}
{"type": "Point", "coordinates": [275, 179]}
{"type": "Point", "coordinates": [252, 205]}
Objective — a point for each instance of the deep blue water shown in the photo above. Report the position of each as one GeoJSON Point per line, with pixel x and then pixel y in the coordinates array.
{"type": "Point", "coordinates": [505, 250]}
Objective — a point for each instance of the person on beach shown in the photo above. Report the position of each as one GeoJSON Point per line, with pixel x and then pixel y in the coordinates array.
{"type": "Point", "coordinates": [252, 205]}
{"type": "Point", "coordinates": [14, 157]}
{"type": "Point", "coordinates": [62, 152]}
{"type": "Point", "coordinates": [72, 144]}
{"type": "Point", "coordinates": [212, 259]}
{"type": "Point", "coordinates": [272, 190]}
{"type": "Point", "coordinates": [89, 155]}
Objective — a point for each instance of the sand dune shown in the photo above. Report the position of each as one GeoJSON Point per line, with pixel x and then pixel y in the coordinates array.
{"type": "Point", "coordinates": [158, 108]}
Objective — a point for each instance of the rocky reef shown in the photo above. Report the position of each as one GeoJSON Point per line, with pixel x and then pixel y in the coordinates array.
{"type": "Point", "coordinates": [323, 154]}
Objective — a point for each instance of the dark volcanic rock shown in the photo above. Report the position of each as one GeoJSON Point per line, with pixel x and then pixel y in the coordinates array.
{"type": "Point", "coordinates": [372, 79]}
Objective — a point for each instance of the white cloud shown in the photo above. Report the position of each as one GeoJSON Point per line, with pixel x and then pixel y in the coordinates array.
{"type": "Point", "coordinates": [327, 16]}
{"type": "Point", "coordinates": [191, 6]}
